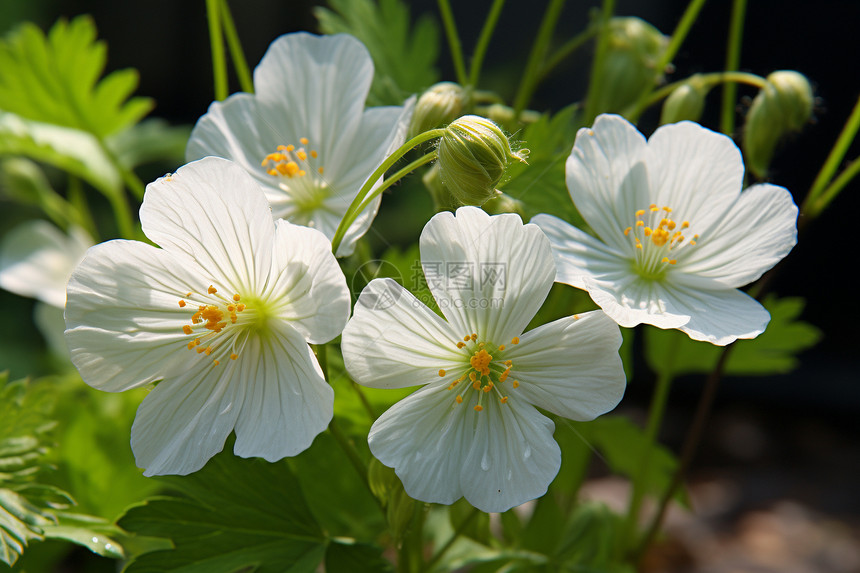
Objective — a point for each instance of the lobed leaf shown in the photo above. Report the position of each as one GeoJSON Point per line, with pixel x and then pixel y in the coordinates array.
{"type": "Point", "coordinates": [55, 79]}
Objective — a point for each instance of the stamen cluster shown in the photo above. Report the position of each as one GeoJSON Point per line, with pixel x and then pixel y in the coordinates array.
{"type": "Point", "coordinates": [656, 236]}
{"type": "Point", "coordinates": [211, 318]}
{"type": "Point", "coordinates": [290, 162]}
{"type": "Point", "coordinates": [483, 375]}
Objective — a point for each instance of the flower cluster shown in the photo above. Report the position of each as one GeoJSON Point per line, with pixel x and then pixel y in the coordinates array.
{"type": "Point", "coordinates": [221, 315]}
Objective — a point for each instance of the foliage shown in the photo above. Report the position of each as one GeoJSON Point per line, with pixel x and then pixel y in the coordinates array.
{"type": "Point", "coordinates": [404, 56]}
{"type": "Point", "coordinates": [54, 79]}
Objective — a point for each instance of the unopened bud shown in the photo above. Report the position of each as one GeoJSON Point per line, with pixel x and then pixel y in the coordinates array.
{"type": "Point", "coordinates": [686, 102]}
{"type": "Point", "coordinates": [503, 203]}
{"type": "Point", "coordinates": [473, 156]}
{"type": "Point", "coordinates": [784, 105]}
{"type": "Point", "coordinates": [438, 106]}
{"type": "Point", "coordinates": [630, 65]}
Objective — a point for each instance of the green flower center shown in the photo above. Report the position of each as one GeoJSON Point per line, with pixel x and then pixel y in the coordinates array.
{"type": "Point", "coordinates": [219, 326]}
{"type": "Point", "coordinates": [488, 372]}
{"type": "Point", "coordinates": [657, 240]}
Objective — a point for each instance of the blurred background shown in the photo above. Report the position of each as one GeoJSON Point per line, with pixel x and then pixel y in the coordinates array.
{"type": "Point", "coordinates": [775, 481]}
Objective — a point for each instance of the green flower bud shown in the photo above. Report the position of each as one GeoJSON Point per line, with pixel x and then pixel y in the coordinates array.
{"type": "Point", "coordinates": [472, 157]}
{"type": "Point", "coordinates": [630, 65]}
{"type": "Point", "coordinates": [503, 203]}
{"type": "Point", "coordinates": [438, 106]}
{"type": "Point", "coordinates": [686, 102]}
{"type": "Point", "coordinates": [442, 198]}
{"type": "Point", "coordinates": [782, 106]}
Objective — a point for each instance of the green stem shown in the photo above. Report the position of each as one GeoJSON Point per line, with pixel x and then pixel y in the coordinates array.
{"type": "Point", "coordinates": [122, 214]}
{"type": "Point", "coordinates": [837, 154]}
{"type": "Point", "coordinates": [354, 208]}
{"type": "Point", "coordinates": [321, 351]}
{"type": "Point", "coordinates": [539, 49]}
{"type": "Point", "coordinates": [484, 41]}
{"type": "Point", "coordinates": [456, 535]}
{"type": "Point", "coordinates": [597, 65]}
{"type": "Point", "coordinates": [216, 42]}
{"type": "Point", "coordinates": [423, 160]}
{"type": "Point", "coordinates": [128, 176]}
{"type": "Point", "coordinates": [733, 60]}
{"type": "Point", "coordinates": [453, 41]}
{"type": "Point", "coordinates": [708, 80]}
{"type": "Point", "coordinates": [830, 193]}
{"type": "Point", "coordinates": [688, 450]}
{"type": "Point", "coordinates": [678, 37]}
{"type": "Point", "coordinates": [236, 52]}
{"type": "Point", "coordinates": [655, 419]}
{"type": "Point", "coordinates": [568, 48]}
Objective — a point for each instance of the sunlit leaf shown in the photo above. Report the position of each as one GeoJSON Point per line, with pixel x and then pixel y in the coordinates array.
{"type": "Point", "coordinates": [239, 514]}
{"type": "Point", "coordinates": [55, 79]}
{"type": "Point", "coordinates": [72, 150]}
{"type": "Point", "coordinates": [404, 56]}
{"type": "Point", "coordinates": [772, 352]}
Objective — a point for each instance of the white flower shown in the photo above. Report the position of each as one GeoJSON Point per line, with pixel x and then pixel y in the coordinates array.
{"type": "Point", "coordinates": [305, 135]}
{"type": "Point", "coordinates": [221, 314]}
{"type": "Point", "coordinates": [473, 429]}
{"type": "Point", "coordinates": [36, 259]}
{"type": "Point", "coordinates": [676, 236]}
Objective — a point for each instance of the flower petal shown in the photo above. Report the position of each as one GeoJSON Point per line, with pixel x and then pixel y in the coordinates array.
{"type": "Point", "coordinates": [606, 176]}
{"type": "Point", "coordinates": [755, 234]}
{"type": "Point", "coordinates": [695, 171]}
{"type": "Point", "coordinates": [123, 320]}
{"type": "Point", "coordinates": [184, 421]}
{"type": "Point", "coordinates": [717, 316]}
{"type": "Point", "coordinates": [513, 456]}
{"type": "Point", "coordinates": [425, 437]}
{"type": "Point", "coordinates": [308, 282]}
{"type": "Point", "coordinates": [578, 254]}
{"type": "Point", "coordinates": [489, 275]}
{"type": "Point", "coordinates": [213, 213]}
{"type": "Point", "coordinates": [382, 131]}
{"type": "Point", "coordinates": [315, 87]}
{"type": "Point", "coordinates": [570, 367]}
{"type": "Point", "coordinates": [287, 402]}
{"type": "Point", "coordinates": [37, 258]}
{"type": "Point", "coordinates": [236, 130]}
{"type": "Point", "coordinates": [394, 341]}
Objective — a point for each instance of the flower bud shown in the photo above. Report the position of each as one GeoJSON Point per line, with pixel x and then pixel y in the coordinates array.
{"type": "Point", "coordinates": [473, 156]}
{"type": "Point", "coordinates": [630, 65]}
{"type": "Point", "coordinates": [686, 102]}
{"type": "Point", "coordinates": [503, 203]}
{"type": "Point", "coordinates": [438, 106]}
{"type": "Point", "coordinates": [782, 106]}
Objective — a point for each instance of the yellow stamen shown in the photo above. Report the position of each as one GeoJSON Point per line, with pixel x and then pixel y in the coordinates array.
{"type": "Point", "coordinates": [441, 373]}
{"type": "Point", "coordinates": [212, 289]}
{"type": "Point", "coordinates": [181, 304]}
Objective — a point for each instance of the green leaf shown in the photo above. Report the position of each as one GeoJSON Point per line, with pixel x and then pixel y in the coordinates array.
{"type": "Point", "coordinates": [55, 79]}
{"type": "Point", "coordinates": [72, 150]}
{"type": "Point", "coordinates": [773, 352]}
{"type": "Point", "coordinates": [621, 443]}
{"type": "Point", "coordinates": [25, 507]}
{"type": "Point", "coordinates": [347, 556]}
{"type": "Point", "coordinates": [96, 534]}
{"type": "Point", "coordinates": [152, 140]}
{"type": "Point", "coordinates": [540, 184]}
{"type": "Point", "coordinates": [404, 57]}
{"type": "Point", "coordinates": [239, 514]}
